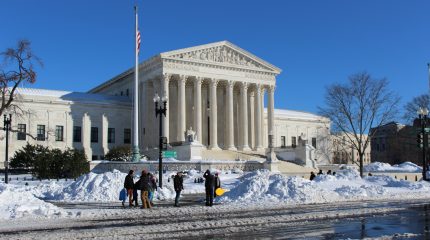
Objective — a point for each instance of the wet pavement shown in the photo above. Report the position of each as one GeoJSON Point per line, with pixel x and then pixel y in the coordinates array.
{"type": "Point", "coordinates": [410, 223]}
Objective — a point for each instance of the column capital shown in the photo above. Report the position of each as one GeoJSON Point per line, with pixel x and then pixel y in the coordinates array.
{"type": "Point", "coordinates": [258, 88]}
{"type": "Point", "coordinates": [245, 85]}
{"type": "Point", "coordinates": [167, 76]}
{"type": "Point", "coordinates": [214, 82]}
{"type": "Point", "coordinates": [198, 80]}
{"type": "Point", "coordinates": [183, 78]}
{"type": "Point", "coordinates": [271, 88]}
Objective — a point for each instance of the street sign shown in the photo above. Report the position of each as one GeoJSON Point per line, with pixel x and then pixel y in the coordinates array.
{"type": "Point", "coordinates": [169, 154]}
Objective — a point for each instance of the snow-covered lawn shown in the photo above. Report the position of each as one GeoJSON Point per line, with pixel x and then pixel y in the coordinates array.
{"type": "Point", "coordinates": [259, 188]}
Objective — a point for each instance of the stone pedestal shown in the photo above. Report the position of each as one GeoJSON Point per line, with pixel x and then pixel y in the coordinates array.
{"type": "Point", "coordinates": [272, 161]}
{"type": "Point", "coordinates": [189, 151]}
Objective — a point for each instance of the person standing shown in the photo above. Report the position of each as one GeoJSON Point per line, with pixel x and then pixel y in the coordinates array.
{"type": "Point", "coordinates": [178, 183]}
{"type": "Point", "coordinates": [144, 189]}
{"type": "Point", "coordinates": [152, 188]}
{"type": "Point", "coordinates": [209, 187]}
{"type": "Point", "coordinates": [129, 185]}
{"type": "Point", "coordinates": [217, 183]}
{"type": "Point", "coordinates": [312, 176]}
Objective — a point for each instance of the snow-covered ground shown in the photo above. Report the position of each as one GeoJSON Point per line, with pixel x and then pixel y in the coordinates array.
{"type": "Point", "coordinates": [259, 188]}
{"type": "Point", "coordinates": [262, 187]}
{"type": "Point", "coordinates": [385, 167]}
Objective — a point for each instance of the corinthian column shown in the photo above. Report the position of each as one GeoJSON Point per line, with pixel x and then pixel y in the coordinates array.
{"type": "Point", "coordinates": [213, 116]}
{"type": "Point", "coordinates": [258, 118]}
{"type": "Point", "coordinates": [181, 109]}
{"type": "Point", "coordinates": [271, 109]}
{"type": "Point", "coordinates": [244, 103]}
{"type": "Point", "coordinates": [165, 93]}
{"type": "Point", "coordinates": [230, 115]}
{"type": "Point", "coordinates": [198, 108]}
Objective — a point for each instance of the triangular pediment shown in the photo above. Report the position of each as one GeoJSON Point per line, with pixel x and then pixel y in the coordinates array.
{"type": "Point", "coordinates": [223, 53]}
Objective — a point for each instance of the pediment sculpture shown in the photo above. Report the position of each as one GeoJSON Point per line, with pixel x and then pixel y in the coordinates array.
{"type": "Point", "coordinates": [220, 54]}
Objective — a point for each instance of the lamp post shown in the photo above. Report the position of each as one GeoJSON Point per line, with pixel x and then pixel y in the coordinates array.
{"type": "Point", "coordinates": [208, 109]}
{"type": "Point", "coordinates": [422, 114]}
{"type": "Point", "coordinates": [160, 111]}
{"type": "Point", "coordinates": [7, 123]}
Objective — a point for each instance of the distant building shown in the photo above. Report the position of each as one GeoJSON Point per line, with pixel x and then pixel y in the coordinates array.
{"type": "Point", "coordinates": [344, 151]}
{"type": "Point", "coordinates": [395, 143]}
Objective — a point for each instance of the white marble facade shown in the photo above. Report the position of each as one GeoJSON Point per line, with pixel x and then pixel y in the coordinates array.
{"type": "Point", "coordinates": [224, 93]}
{"type": "Point", "coordinates": [216, 89]}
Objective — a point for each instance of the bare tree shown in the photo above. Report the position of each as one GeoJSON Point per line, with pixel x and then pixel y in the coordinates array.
{"type": "Point", "coordinates": [412, 107]}
{"type": "Point", "coordinates": [358, 105]}
{"type": "Point", "coordinates": [17, 68]}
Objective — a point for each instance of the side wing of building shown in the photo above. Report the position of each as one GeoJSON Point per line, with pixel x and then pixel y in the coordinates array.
{"type": "Point", "coordinates": [61, 119]}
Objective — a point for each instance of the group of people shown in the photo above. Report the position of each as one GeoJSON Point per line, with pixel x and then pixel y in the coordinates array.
{"type": "Point", "coordinates": [147, 184]}
{"type": "Point", "coordinates": [329, 172]}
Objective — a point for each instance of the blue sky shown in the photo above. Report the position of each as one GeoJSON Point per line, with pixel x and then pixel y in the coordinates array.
{"type": "Point", "coordinates": [315, 42]}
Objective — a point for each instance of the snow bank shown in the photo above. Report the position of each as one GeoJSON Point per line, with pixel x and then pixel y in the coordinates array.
{"type": "Point", "coordinates": [263, 186]}
{"type": "Point", "coordinates": [19, 202]}
{"type": "Point", "coordinates": [103, 187]}
{"type": "Point", "coordinates": [385, 167]}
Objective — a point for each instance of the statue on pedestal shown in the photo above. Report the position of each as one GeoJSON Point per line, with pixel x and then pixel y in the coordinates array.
{"type": "Point", "coordinates": [190, 135]}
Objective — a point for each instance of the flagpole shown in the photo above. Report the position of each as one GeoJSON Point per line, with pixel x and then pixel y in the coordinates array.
{"type": "Point", "coordinates": [136, 154]}
{"type": "Point", "coordinates": [428, 68]}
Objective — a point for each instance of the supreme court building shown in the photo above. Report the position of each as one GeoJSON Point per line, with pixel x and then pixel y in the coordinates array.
{"type": "Point", "coordinates": [217, 91]}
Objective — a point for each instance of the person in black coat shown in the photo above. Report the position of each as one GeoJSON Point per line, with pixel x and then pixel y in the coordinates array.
{"type": "Point", "coordinates": [209, 187]}
{"type": "Point", "coordinates": [312, 176]}
{"type": "Point", "coordinates": [178, 183]}
{"type": "Point", "coordinates": [129, 185]}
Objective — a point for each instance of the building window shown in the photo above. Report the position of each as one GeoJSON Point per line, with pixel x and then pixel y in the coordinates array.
{"type": "Point", "coordinates": [293, 142]}
{"type": "Point", "coordinates": [127, 92]}
{"type": "Point", "coordinates": [77, 133]}
{"type": "Point", "coordinates": [59, 133]}
{"type": "Point", "coordinates": [283, 141]}
{"type": "Point", "coordinates": [93, 157]}
{"type": "Point", "coordinates": [314, 142]}
{"type": "Point", "coordinates": [127, 135]}
{"type": "Point", "coordinates": [122, 93]}
{"type": "Point", "coordinates": [22, 130]}
{"type": "Point", "coordinates": [111, 135]}
{"type": "Point", "coordinates": [94, 134]}
{"type": "Point", "coordinates": [40, 132]}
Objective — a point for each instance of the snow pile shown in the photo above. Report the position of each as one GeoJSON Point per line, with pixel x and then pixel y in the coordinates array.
{"type": "Point", "coordinates": [263, 186]}
{"type": "Point", "coordinates": [104, 187]}
{"type": "Point", "coordinates": [385, 167]}
{"type": "Point", "coordinates": [19, 202]}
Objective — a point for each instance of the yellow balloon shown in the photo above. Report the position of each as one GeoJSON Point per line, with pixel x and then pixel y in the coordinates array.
{"type": "Point", "coordinates": [219, 191]}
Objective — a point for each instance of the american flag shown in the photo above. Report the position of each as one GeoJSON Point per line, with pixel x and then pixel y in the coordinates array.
{"type": "Point", "coordinates": [138, 41]}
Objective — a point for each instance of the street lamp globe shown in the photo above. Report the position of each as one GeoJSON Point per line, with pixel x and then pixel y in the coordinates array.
{"type": "Point", "coordinates": [156, 98]}
{"type": "Point", "coordinates": [423, 111]}
{"type": "Point", "coordinates": [164, 98]}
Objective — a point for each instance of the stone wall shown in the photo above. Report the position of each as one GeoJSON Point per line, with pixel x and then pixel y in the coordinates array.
{"type": "Point", "coordinates": [104, 166]}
